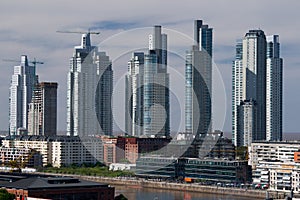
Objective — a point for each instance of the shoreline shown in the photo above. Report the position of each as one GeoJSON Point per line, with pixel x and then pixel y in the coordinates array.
{"type": "Point", "coordinates": [240, 192]}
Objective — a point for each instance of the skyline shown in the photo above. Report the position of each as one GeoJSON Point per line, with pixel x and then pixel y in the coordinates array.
{"type": "Point", "coordinates": [55, 49]}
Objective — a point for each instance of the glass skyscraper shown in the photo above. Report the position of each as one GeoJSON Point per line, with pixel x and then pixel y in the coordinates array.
{"type": "Point", "coordinates": [147, 90]}
{"type": "Point", "coordinates": [198, 78]}
{"type": "Point", "coordinates": [89, 95]}
{"type": "Point", "coordinates": [274, 73]}
{"type": "Point", "coordinates": [156, 86]}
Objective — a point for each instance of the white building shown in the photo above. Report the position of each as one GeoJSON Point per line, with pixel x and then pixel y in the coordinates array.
{"type": "Point", "coordinates": [275, 151]}
{"type": "Point", "coordinates": [275, 164]}
{"type": "Point", "coordinates": [250, 67]}
{"type": "Point", "coordinates": [39, 144]}
{"type": "Point", "coordinates": [22, 84]}
{"type": "Point", "coordinates": [89, 95]}
{"type": "Point", "coordinates": [134, 95]}
{"type": "Point", "coordinates": [74, 150]}
{"type": "Point", "coordinates": [278, 176]}
{"type": "Point", "coordinates": [61, 150]}
{"type": "Point", "coordinates": [246, 118]}
{"type": "Point", "coordinates": [237, 90]}
{"type": "Point", "coordinates": [23, 156]}
{"type": "Point", "coordinates": [274, 90]}
{"type": "Point", "coordinates": [121, 167]}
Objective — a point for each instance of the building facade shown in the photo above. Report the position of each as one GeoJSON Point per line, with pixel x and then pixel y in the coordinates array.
{"type": "Point", "coordinates": [89, 95]}
{"type": "Point", "coordinates": [217, 170]}
{"type": "Point", "coordinates": [237, 90]}
{"type": "Point", "coordinates": [134, 99]}
{"type": "Point", "coordinates": [23, 157]}
{"type": "Point", "coordinates": [157, 167]}
{"type": "Point", "coordinates": [246, 116]}
{"type": "Point", "coordinates": [274, 151]}
{"type": "Point", "coordinates": [61, 151]}
{"type": "Point", "coordinates": [276, 165]}
{"type": "Point", "coordinates": [198, 78]}
{"type": "Point", "coordinates": [252, 60]}
{"type": "Point", "coordinates": [50, 187]}
{"type": "Point", "coordinates": [147, 101]}
{"type": "Point", "coordinates": [42, 114]}
{"type": "Point", "coordinates": [21, 88]}
{"type": "Point", "coordinates": [156, 100]}
{"type": "Point", "coordinates": [129, 149]}
{"type": "Point", "coordinates": [209, 170]}
{"type": "Point", "coordinates": [274, 90]}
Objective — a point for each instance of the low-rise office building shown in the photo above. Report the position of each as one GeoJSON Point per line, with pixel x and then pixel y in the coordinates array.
{"type": "Point", "coordinates": [211, 170]}
{"type": "Point", "coordinates": [217, 170]}
{"type": "Point", "coordinates": [157, 167]}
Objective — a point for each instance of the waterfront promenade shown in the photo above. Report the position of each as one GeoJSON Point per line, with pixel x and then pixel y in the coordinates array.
{"type": "Point", "coordinates": [191, 187]}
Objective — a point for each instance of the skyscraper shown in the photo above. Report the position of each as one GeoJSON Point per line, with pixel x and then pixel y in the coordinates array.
{"type": "Point", "coordinates": [246, 116]}
{"type": "Point", "coordinates": [250, 67]}
{"type": "Point", "coordinates": [134, 100]}
{"type": "Point", "coordinates": [237, 89]}
{"type": "Point", "coordinates": [274, 89]}
{"type": "Point", "coordinates": [156, 100]}
{"type": "Point", "coordinates": [156, 103]}
{"type": "Point", "coordinates": [90, 84]}
{"type": "Point", "coordinates": [22, 84]}
{"type": "Point", "coordinates": [42, 114]}
{"type": "Point", "coordinates": [198, 77]}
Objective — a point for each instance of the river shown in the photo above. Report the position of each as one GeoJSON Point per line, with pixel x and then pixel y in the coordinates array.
{"type": "Point", "coordinates": [139, 193]}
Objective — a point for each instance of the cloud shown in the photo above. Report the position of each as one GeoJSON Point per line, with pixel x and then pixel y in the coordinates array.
{"type": "Point", "coordinates": [30, 28]}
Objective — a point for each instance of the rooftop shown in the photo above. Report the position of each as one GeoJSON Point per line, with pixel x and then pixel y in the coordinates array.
{"type": "Point", "coordinates": [26, 181]}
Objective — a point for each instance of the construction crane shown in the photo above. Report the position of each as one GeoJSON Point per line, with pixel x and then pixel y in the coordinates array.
{"type": "Point", "coordinates": [80, 32]}
{"type": "Point", "coordinates": [34, 62]}
{"type": "Point", "coordinates": [86, 41]}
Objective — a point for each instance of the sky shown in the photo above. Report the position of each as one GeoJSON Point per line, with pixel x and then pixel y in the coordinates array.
{"type": "Point", "coordinates": [29, 28]}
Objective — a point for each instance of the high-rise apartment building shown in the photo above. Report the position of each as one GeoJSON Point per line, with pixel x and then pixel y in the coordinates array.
{"type": "Point", "coordinates": [147, 90]}
{"type": "Point", "coordinates": [90, 84]}
{"type": "Point", "coordinates": [246, 115]}
{"type": "Point", "coordinates": [250, 67]}
{"type": "Point", "coordinates": [22, 84]}
{"type": "Point", "coordinates": [198, 78]}
{"type": "Point", "coordinates": [274, 72]}
{"type": "Point", "coordinates": [42, 114]}
{"type": "Point", "coordinates": [135, 95]}
{"type": "Point", "coordinates": [156, 100]}
{"type": "Point", "coordinates": [237, 85]}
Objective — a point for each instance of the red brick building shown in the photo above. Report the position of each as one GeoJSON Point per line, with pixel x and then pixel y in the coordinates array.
{"type": "Point", "coordinates": [54, 188]}
{"type": "Point", "coordinates": [118, 149]}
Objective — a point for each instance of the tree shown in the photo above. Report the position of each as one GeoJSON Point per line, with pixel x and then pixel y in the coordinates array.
{"type": "Point", "coordinates": [4, 195]}
{"type": "Point", "coordinates": [120, 197]}
{"type": "Point", "coordinates": [242, 153]}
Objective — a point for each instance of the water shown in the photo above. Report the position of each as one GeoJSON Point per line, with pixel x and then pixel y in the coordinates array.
{"type": "Point", "coordinates": [139, 193]}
